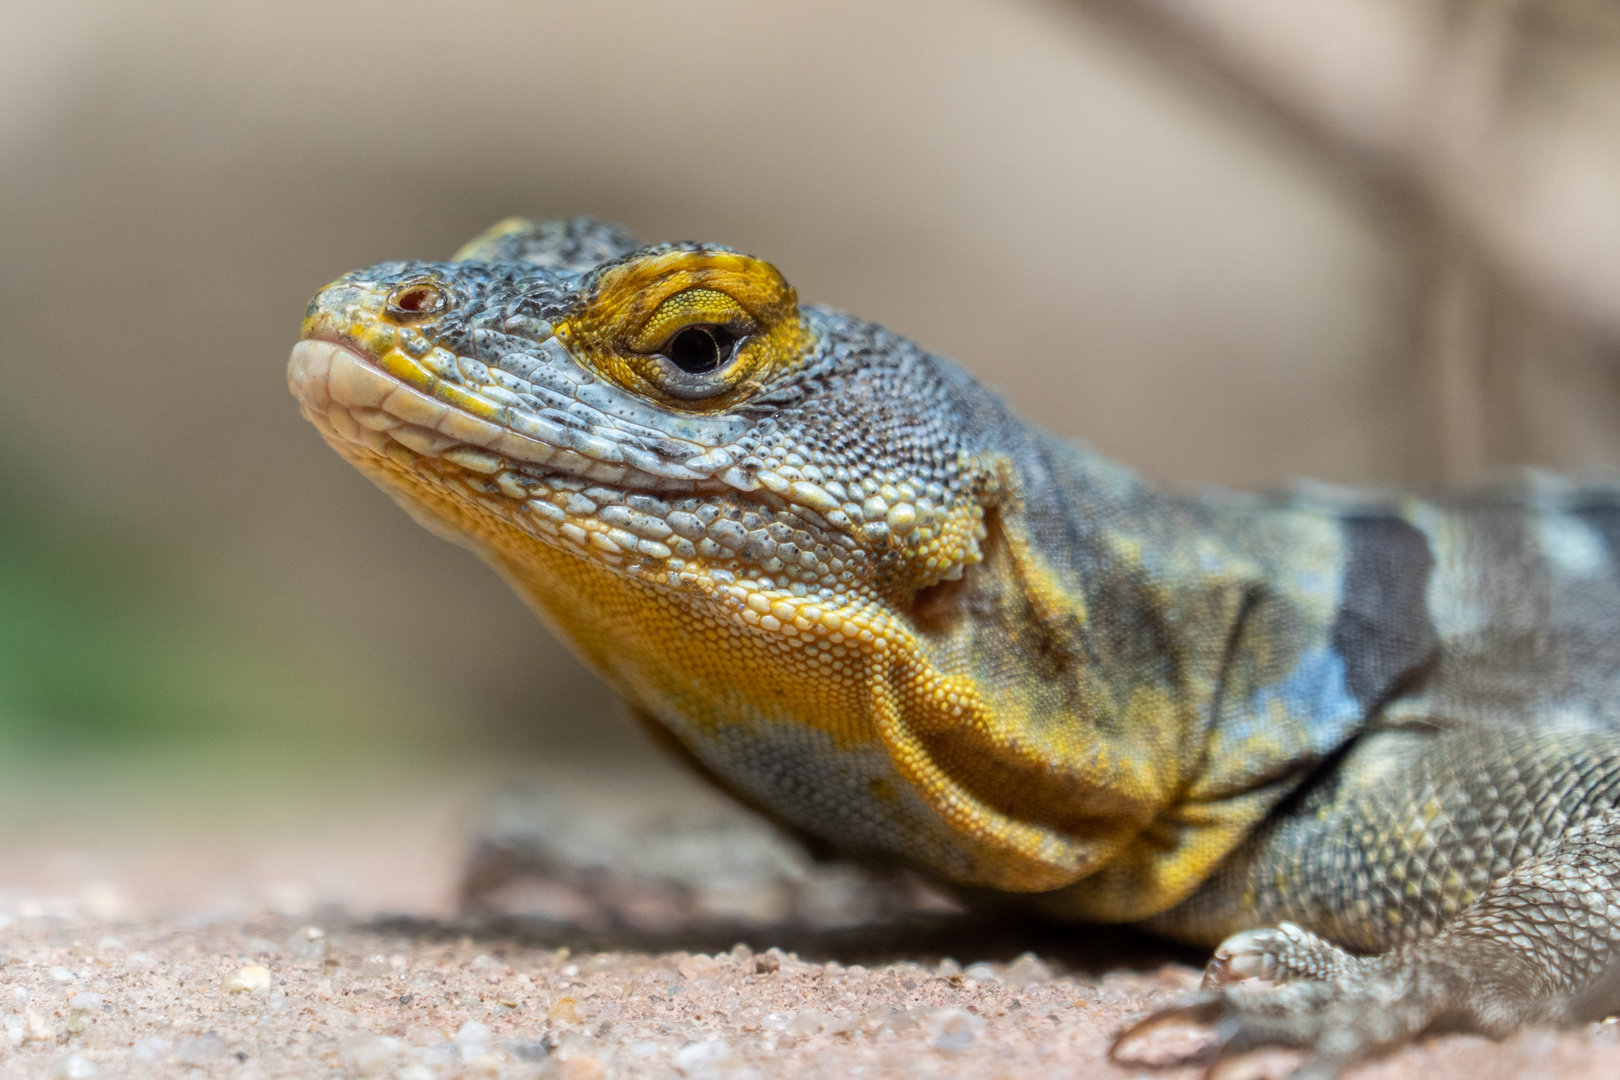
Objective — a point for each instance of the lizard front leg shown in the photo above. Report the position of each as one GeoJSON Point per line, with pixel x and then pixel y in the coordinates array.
{"type": "Point", "coordinates": [1379, 860]}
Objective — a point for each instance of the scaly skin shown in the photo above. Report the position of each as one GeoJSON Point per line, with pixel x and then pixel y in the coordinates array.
{"type": "Point", "coordinates": [868, 599]}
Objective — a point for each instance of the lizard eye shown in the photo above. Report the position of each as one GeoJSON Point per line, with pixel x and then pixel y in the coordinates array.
{"type": "Point", "coordinates": [416, 300]}
{"type": "Point", "coordinates": [703, 328]}
{"type": "Point", "coordinates": [698, 350]}
{"type": "Point", "coordinates": [697, 361]}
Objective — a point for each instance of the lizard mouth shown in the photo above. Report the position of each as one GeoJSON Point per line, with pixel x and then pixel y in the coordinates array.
{"type": "Point", "coordinates": [372, 407]}
{"type": "Point", "coordinates": [573, 489]}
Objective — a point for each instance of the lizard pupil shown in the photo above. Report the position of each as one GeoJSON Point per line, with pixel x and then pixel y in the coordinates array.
{"type": "Point", "coordinates": [700, 349]}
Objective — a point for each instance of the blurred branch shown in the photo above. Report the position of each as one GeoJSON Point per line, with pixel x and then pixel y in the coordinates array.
{"type": "Point", "coordinates": [1497, 117]}
{"type": "Point", "coordinates": [1494, 124]}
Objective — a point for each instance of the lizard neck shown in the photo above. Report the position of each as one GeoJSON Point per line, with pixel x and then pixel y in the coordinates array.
{"type": "Point", "coordinates": [1182, 664]}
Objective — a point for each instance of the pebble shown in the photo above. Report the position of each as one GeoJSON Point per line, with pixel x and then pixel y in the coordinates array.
{"type": "Point", "coordinates": [38, 1027]}
{"type": "Point", "coordinates": [484, 1064]}
{"type": "Point", "coordinates": [696, 1056]}
{"type": "Point", "coordinates": [73, 1067]}
{"type": "Point", "coordinates": [309, 944]}
{"type": "Point", "coordinates": [950, 1028]}
{"type": "Point", "coordinates": [473, 1039]}
{"type": "Point", "coordinates": [1028, 970]}
{"type": "Point", "coordinates": [253, 979]}
{"type": "Point", "coordinates": [370, 1055]}
{"type": "Point", "coordinates": [150, 1051]}
{"type": "Point", "coordinates": [584, 1067]}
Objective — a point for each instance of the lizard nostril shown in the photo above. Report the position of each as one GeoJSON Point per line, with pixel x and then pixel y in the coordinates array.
{"type": "Point", "coordinates": [417, 300]}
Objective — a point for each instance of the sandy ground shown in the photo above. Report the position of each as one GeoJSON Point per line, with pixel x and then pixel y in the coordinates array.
{"type": "Point", "coordinates": [626, 927]}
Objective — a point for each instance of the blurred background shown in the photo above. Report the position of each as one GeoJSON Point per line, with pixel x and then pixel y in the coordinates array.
{"type": "Point", "coordinates": [1226, 241]}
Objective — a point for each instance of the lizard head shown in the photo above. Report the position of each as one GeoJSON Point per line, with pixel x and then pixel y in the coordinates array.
{"type": "Point", "coordinates": [667, 415]}
{"type": "Point", "coordinates": [729, 504]}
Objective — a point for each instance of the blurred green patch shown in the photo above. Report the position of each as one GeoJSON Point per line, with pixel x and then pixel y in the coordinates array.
{"type": "Point", "coordinates": [111, 642]}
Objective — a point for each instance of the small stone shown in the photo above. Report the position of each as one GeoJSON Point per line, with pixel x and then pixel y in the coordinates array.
{"type": "Point", "coordinates": [1028, 970]}
{"type": "Point", "coordinates": [73, 1067]}
{"type": "Point", "coordinates": [62, 975]}
{"type": "Point", "coordinates": [584, 1067]}
{"type": "Point", "coordinates": [565, 1010]}
{"type": "Point", "coordinates": [484, 1064]}
{"type": "Point", "coordinates": [695, 966]}
{"type": "Point", "coordinates": [375, 966]}
{"type": "Point", "coordinates": [39, 1028]}
{"type": "Point", "coordinates": [253, 979]}
{"type": "Point", "coordinates": [529, 1050]}
{"type": "Point", "coordinates": [950, 1028]}
{"type": "Point", "coordinates": [472, 1039]}
{"type": "Point", "coordinates": [898, 1019]}
{"type": "Point", "coordinates": [766, 963]}
{"type": "Point", "coordinates": [309, 944]}
{"type": "Point", "coordinates": [700, 1057]}
{"type": "Point", "coordinates": [83, 1009]}
{"type": "Point", "coordinates": [982, 972]}
{"type": "Point", "coordinates": [368, 1054]}
{"type": "Point", "coordinates": [417, 1072]}
{"type": "Point", "coordinates": [150, 1051]}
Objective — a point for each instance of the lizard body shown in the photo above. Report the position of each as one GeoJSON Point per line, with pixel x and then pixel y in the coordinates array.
{"type": "Point", "coordinates": [868, 599]}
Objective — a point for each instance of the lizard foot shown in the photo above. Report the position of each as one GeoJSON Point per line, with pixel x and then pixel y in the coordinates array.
{"type": "Point", "coordinates": [1362, 1009]}
{"type": "Point", "coordinates": [1542, 945]}
{"type": "Point", "coordinates": [1278, 954]}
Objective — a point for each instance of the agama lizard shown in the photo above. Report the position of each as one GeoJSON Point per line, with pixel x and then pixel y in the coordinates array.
{"type": "Point", "coordinates": [1373, 737]}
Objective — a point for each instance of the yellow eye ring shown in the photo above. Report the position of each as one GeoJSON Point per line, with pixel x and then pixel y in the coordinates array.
{"type": "Point", "coordinates": [699, 329]}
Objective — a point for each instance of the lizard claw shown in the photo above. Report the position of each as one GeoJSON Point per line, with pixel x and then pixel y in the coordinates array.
{"type": "Point", "coordinates": [1201, 1010]}
{"type": "Point", "coordinates": [1337, 1020]}
{"type": "Point", "coordinates": [1278, 954]}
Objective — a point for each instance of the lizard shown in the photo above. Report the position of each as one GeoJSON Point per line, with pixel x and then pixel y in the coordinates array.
{"type": "Point", "coordinates": [1363, 743]}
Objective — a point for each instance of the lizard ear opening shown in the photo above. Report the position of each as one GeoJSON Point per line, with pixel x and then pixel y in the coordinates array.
{"type": "Point", "coordinates": [940, 609]}
{"type": "Point", "coordinates": [694, 329]}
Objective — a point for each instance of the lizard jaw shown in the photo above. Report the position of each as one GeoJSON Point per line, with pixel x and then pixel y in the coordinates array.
{"type": "Point", "coordinates": [406, 442]}
{"type": "Point", "coordinates": [355, 395]}
{"type": "Point", "coordinates": [679, 533]}
{"type": "Point", "coordinates": [366, 412]}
